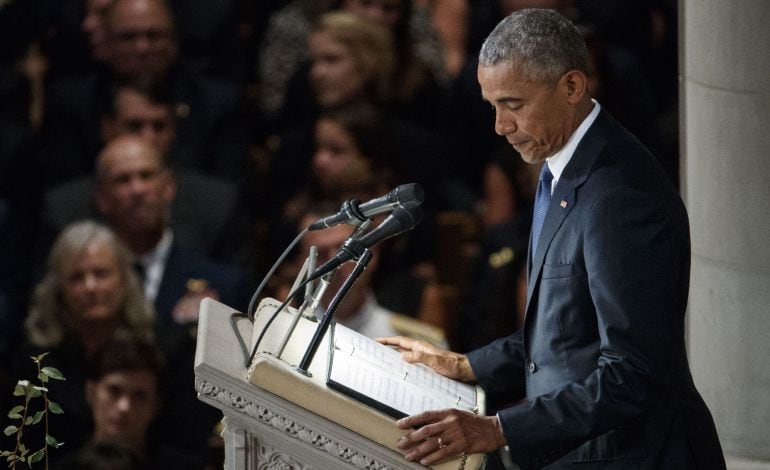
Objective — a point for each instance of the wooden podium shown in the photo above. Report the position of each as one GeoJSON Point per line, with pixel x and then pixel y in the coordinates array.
{"type": "Point", "coordinates": [277, 418]}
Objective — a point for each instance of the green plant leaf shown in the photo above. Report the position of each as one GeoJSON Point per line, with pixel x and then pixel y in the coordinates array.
{"type": "Point", "coordinates": [15, 412]}
{"type": "Point", "coordinates": [38, 416]}
{"type": "Point", "coordinates": [21, 388]}
{"type": "Point", "coordinates": [29, 420]}
{"type": "Point", "coordinates": [37, 456]}
{"type": "Point", "coordinates": [53, 372]}
{"type": "Point", "coordinates": [34, 392]}
{"type": "Point", "coordinates": [10, 430]}
{"type": "Point", "coordinates": [51, 441]}
{"type": "Point", "coordinates": [42, 378]}
{"type": "Point", "coordinates": [55, 408]}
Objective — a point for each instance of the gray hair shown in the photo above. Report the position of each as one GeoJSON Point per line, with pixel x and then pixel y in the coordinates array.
{"type": "Point", "coordinates": [50, 323]}
{"type": "Point", "coordinates": [543, 43]}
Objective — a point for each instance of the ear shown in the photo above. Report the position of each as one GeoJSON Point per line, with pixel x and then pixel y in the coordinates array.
{"type": "Point", "coordinates": [575, 85]}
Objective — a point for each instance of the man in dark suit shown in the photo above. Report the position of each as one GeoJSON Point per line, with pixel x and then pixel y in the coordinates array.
{"type": "Point", "coordinates": [134, 191]}
{"type": "Point", "coordinates": [598, 376]}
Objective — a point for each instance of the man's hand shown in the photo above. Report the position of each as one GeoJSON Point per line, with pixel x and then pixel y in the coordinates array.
{"type": "Point", "coordinates": [446, 433]}
{"type": "Point", "coordinates": [447, 363]}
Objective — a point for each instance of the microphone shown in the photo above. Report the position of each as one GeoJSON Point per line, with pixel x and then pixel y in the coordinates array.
{"type": "Point", "coordinates": [355, 213]}
{"type": "Point", "coordinates": [403, 219]}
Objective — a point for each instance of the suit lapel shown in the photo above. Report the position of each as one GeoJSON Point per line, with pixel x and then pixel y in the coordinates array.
{"type": "Point", "coordinates": [564, 198]}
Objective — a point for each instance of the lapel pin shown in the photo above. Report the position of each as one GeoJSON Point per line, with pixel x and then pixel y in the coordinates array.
{"type": "Point", "coordinates": [563, 203]}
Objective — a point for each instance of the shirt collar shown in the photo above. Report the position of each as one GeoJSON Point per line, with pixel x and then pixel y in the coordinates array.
{"type": "Point", "coordinates": [558, 161]}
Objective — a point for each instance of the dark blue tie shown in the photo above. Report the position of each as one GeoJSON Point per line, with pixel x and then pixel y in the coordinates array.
{"type": "Point", "coordinates": [542, 199]}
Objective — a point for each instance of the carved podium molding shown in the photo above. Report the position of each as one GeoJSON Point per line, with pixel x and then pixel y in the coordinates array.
{"type": "Point", "coordinates": [270, 457]}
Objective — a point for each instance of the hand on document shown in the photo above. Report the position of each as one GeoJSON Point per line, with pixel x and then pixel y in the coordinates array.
{"type": "Point", "coordinates": [438, 435]}
{"type": "Point", "coordinates": [443, 434]}
{"type": "Point", "coordinates": [447, 363]}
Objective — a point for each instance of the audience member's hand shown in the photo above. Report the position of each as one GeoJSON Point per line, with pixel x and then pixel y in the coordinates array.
{"type": "Point", "coordinates": [443, 434]}
{"type": "Point", "coordinates": [447, 363]}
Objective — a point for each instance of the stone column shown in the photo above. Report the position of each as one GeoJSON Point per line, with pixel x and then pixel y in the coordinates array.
{"type": "Point", "coordinates": [725, 139]}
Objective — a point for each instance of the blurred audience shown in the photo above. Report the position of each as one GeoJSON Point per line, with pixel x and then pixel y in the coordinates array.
{"type": "Point", "coordinates": [205, 214]}
{"type": "Point", "coordinates": [352, 60]}
{"type": "Point", "coordinates": [283, 51]}
{"type": "Point", "coordinates": [141, 44]}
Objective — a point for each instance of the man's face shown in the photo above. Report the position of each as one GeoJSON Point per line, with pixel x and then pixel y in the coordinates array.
{"type": "Point", "coordinates": [134, 189]}
{"type": "Point", "coordinates": [335, 75]}
{"type": "Point", "coordinates": [123, 404]}
{"type": "Point", "coordinates": [534, 117]}
{"type": "Point", "coordinates": [92, 285]}
{"type": "Point", "coordinates": [138, 116]}
{"type": "Point", "coordinates": [139, 38]}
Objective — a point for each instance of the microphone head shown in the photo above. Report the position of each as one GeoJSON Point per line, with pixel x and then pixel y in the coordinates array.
{"type": "Point", "coordinates": [408, 214]}
{"type": "Point", "coordinates": [411, 192]}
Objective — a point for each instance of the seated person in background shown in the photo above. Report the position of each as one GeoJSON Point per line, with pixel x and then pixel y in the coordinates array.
{"type": "Point", "coordinates": [134, 192]}
{"type": "Point", "coordinates": [352, 155]}
{"type": "Point", "coordinates": [125, 392]}
{"type": "Point", "coordinates": [205, 214]}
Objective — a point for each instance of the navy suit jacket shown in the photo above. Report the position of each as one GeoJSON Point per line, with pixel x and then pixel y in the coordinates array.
{"type": "Point", "coordinates": [184, 264]}
{"type": "Point", "coordinates": [598, 373]}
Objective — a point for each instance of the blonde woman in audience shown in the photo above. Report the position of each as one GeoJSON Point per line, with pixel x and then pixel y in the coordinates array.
{"type": "Point", "coordinates": [88, 295]}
